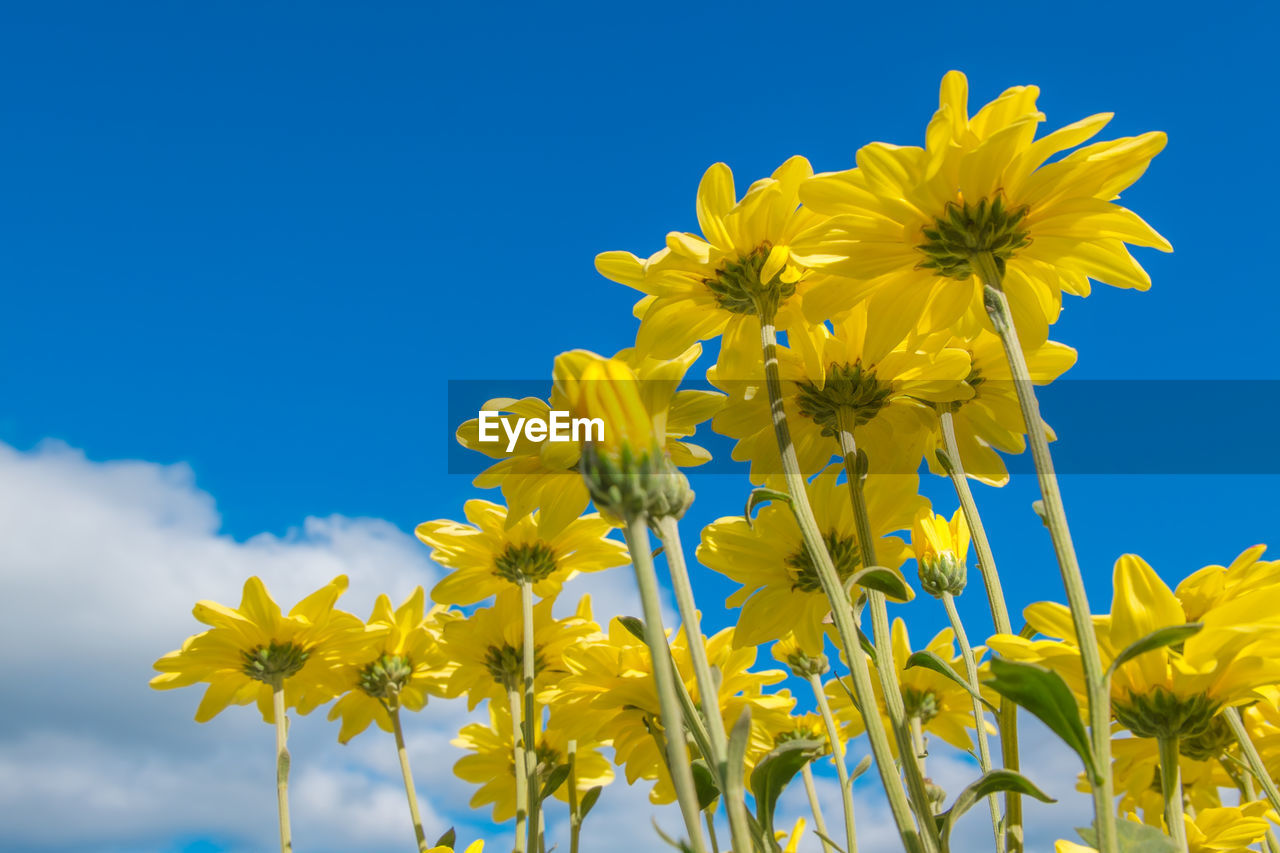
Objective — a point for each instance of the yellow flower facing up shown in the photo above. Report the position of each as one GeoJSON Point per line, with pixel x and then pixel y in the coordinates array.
{"type": "Point", "coordinates": [544, 474]}
{"type": "Point", "coordinates": [874, 385]}
{"type": "Point", "coordinates": [721, 283]}
{"type": "Point", "coordinates": [406, 668]}
{"type": "Point", "coordinates": [942, 706]}
{"type": "Point", "coordinates": [491, 765]}
{"type": "Point", "coordinates": [940, 548]}
{"type": "Point", "coordinates": [250, 649]}
{"type": "Point", "coordinates": [487, 647]}
{"type": "Point", "coordinates": [610, 692]}
{"type": "Point", "coordinates": [780, 593]}
{"type": "Point", "coordinates": [1167, 691]}
{"type": "Point", "coordinates": [906, 222]}
{"type": "Point", "coordinates": [491, 555]}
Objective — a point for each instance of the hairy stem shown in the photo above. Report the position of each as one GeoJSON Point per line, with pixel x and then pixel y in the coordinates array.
{"type": "Point", "coordinates": [282, 764]}
{"type": "Point", "coordinates": [1171, 785]}
{"type": "Point", "coordinates": [1251, 757]}
{"type": "Point", "coordinates": [838, 754]}
{"type": "Point", "coordinates": [530, 717]}
{"type": "Point", "coordinates": [405, 772]}
{"type": "Point", "coordinates": [519, 755]}
{"type": "Point", "coordinates": [815, 808]}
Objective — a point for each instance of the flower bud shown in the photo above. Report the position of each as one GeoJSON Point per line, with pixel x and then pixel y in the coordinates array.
{"type": "Point", "coordinates": [940, 548]}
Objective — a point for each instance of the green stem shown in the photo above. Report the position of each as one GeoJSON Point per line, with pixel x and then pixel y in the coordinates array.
{"type": "Point", "coordinates": [979, 719]}
{"type": "Point", "coordinates": [919, 746]}
{"type": "Point", "coordinates": [530, 717]}
{"type": "Point", "coordinates": [1249, 794]}
{"type": "Point", "coordinates": [1055, 518]}
{"type": "Point", "coordinates": [886, 666]}
{"type": "Point", "coordinates": [409, 791]}
{"type": "Point", "coordinates": [708, 689]}
{"type": "Point", "coordinates": [1171, 785]}
{"type": "Point", "coordinates": [815, 807]}
{"type": "Point", "coordinates": [1007, 719]}
{"type": "Point", "coordinates": [710, 814]}
{"type": "Point", "coordinates": [521, 773]}
{"type": "Point", "coordinates": [841, 612]}
{"type": "Point", "coordinates": [575, 804]}
{"type": "Point", "coordinates": [637, 536]}
{"type": "Point", "coordinates": [839, 756]}
{"type": "Point", "coordinates": [282, 764]}
{"type": "Point", "coordinates": [1251, 757]}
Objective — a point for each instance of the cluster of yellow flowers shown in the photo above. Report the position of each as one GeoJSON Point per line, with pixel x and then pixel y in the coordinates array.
{"type": "Point", "coordinates": [916, 292]}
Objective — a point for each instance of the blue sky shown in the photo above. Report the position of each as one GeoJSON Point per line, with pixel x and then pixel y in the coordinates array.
{"type": "Point", "coordinates": [257, 240]}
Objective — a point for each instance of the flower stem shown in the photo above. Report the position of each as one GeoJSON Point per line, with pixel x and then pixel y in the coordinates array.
{"type": "Point", "coordinates": [708, 689]}
{"type": "Point", "coordinates": [841, 612]}
{"type": "Point", "coordinates": [282, 764]}
{"type": "Point", "coordinates": [979, 719]}
{"type": "Point", "coordinates": [575, 804]}
{"type": "Point", "coordinates": [521, 774]}
{"type": "Point", "coordinates": [815, 807]}
{"type": "Point", "coordinates": [1055, 518]}
{"type": "Point", "coordinates": [1007, 719]}
{"type": "Point", "coordinates": [1249, 794]}
{"type": "Point", "coordinates": [886, 667]}
{"type": "Point", "coordinates": [710, 814]}
{"type": "Point", "coordinates": [1251, 756]}
{"type": "Point", "coordinates": [637, 536]}
{"type": "Point", "coordinates": [409, 791]}
{"type": "Point", "coordinates": [530, 717]}
{"type": "Point", "coordinates": [841, 762]}
{"type": "Point", "coordinates": [1171, 785]}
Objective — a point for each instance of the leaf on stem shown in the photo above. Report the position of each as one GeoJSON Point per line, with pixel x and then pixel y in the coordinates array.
{"type": "Point", "coordinates": [1043, 692]}
{"type": "Point", "coordinates": [1157, 639]}
{"type": "Point", "coordinates": [926, 659]}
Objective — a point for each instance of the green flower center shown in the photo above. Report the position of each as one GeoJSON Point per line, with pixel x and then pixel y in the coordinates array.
{"type": "Point", "coordinates": [526, 563]}
{"type": "Point", "coordinates": [386, 676]}
{"type": "Point", "coordinates": [273, 663]}
{"type": "Point", "coordinates": [506, 664]}
{"type": "Point", "coordinates": [844, 554]}
{"type": "Point", "coordinates": [850, 389]}
{"type": "Point", "coordinates": [738, 289]}
{"type": "Point", "coordinates": [1161, 713]}
{"type": "Point", "coordinates": [921, 703]}
{"type": "Point", "coordinates": [968, 229]}
{"type": "Point", "coordinates": [1210, 743]}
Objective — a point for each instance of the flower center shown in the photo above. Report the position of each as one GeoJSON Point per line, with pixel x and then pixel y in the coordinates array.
{"type": "Point", "coordinates": [738, 289]}
{"type": "Point", "coordinates": [273, 663]}
{"type": "Point", "coordinates": [1159, 712]}
{"type": "Point", "coordinates": [506, 664]}
{"type": "Point", "coordinates": [386, 676]}
{"type": "Point", "coordinates": [921, 703]}
{"type": "Point", "coordinates": [844, 553]}
{"type": "Point", "coordinates": [529, 562]}
{"type": "Point", "coordinates": [967, 229]}
{"type": "Point", "coordinates": [850, 388]}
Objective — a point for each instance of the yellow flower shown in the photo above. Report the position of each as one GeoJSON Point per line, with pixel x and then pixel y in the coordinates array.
{"type": "Point", "coordinates": [1225, 829]}
{"type": "Point", "coordinates": [1214, 586]}
{"type": "Point", "coordinates": [544, 474]}
{"type": "Point", "coordinates": [610, 692]}
{"type": "Point", "coordinates": [991, 419]}
{"type": "Point", "coordinates": [404, 669]}
{"type": "Point", "coordinates": [942, 706]}
{"type": "Point", "coordinates": [1136, 770]}
{"type": "Point", "coordinates": [906, 222]}
{"type": "Point", "coordinates": [719, 284]}
{"type": "Point", "coordinates": [476, 846]}
{"type": "Point", "coordinates": [487, 647]}
{"type": "Point", "coordinates": [249, 649]}
{"type": "Point", "coordinates": [1165, 691]}
{"type": "Point", "coordinates": [940, 548]}
{"type": "Point", "coordinates": [492, 555]}
{"type": "Point", "coordinates": [491, 764]}
{"type": "Point", "coordinates": [780, 592]}
{"type": "Point", "coordinates": [874, 384]}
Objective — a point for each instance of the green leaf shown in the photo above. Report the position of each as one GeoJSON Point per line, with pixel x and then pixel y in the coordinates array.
{"type": "Point", "coordinates": [705, 784]}
{"type": "Point", "coordinates": [1133, 838]}
{"type": "Point", "coordinates": [926, 659]}
{"type": "Point", "coordinates": [634, 625]}
{"type": "Point", "coordinates": [829, 842]}
{"type": "Point", "coordinates": [554, 780]}
{"type": "Point", "coordinates": [990, 783]}
{"type": "Point", "coordinates": [863, 766]}
{"type": "Point", "coordinates": [449, 838]}
{"type": "Point", "coordinates": [1157, 639]}
{"type": "Point", "coordinates": [775, 771]}
{"type": "Point", "coordinates": [736, 754]}
{"type": "Point", "coordinates": [881, 580]}
{"type": "Point", "coordinates": [589, 800]}
{"type": "Point", "coordinates": [759, 496]}
{"type": "Point", "coordinates": [1043, 692]}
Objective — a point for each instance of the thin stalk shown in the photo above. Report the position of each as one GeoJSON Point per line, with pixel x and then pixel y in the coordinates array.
{"type": "Point", "coordinates": [282, 764]}
{"type": "Point", "coordinates": [841, 612]}
{"type": "Point", "coordinates": [886, 666]}
{"type": "Point", "coordinates": [521, 773]}
{"type": "Point", "coordinates": [734, 800]}
{"type": "Point", "coordinates": [710, 814]}
{"type": "Point", "coordinates": [1171, 785]}
{"type": "Point", "coordinates": [1055, 518]}
{"type": "Point", "coordinates": [1244, 782]}
{"type": "Point", "coordinates": [838, 754]}
{"type": "Point", "coordinates": [409, 791]}
{"type": "Point", "coordinates": [919, 745]}
{"type": "Point", "coordinates": [575, 804]}
{"type": "Point", "coordinates": [815, 807]}
{"type": "Point", "coordinates": [979, 719]}
{"type": "Point", "coordinates": [1007, 719]}
{"type": "Point", "coordinates": [637, 536]}
{"type": "Point", "coordinates": [530, 717]}
{"type": "Point", "coordinates": [1251, 757]}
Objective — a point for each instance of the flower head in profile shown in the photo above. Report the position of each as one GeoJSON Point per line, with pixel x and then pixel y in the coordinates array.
{"type": "Point", "coordinates": [940, 547]}
{"type": "Point", "coordinates": [404, 669]}
{"type": "Point", "coordinates": [251, 650]}
{"type": "Point", "coordinates": [490, 554]}
{"type": "Point", "coordinates": [1136, 771]}
{"type": "Point", "coordinates": [1215, 586]}
{"type": "Point", "coordinates": [723, 282]}
{"type": "Point", "coordinates": [908, 224]}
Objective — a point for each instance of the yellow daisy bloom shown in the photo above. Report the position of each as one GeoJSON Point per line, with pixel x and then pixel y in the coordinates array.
{"type": "Point", "coordinates": [873, 383]}
{"type": "Point", "coordinates": [905, 222]}
{"type": "Point", "coordinates": [1214, 586]}
{"type": "Point", "coordinates": [1136, 770]}
{"type": "Point", "coordinates": [780, 592]}
{"type": "Point", "coordinates": [487, 647]}
{"type": "Point", "coordinates": [491, 765]}
{"type": "Point", "coordinates": [249, 650]}
{"type": "Point", "coordinates": [544, 474]}
{"type": "Point", "coordinates": [402, 672]}
{"type": "Point", "coordinates": [491, 554]}
{"type": "Point", "coordinates": [698, 288]}
{"type": "Point", "coordinates": [943, 708]}
{"type": "Point", "coordinates": [1225, 829]}
{"type": "Point", "coordinates": [476, 846]}
{"type": "Point", "coordinates": [940, 548]}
